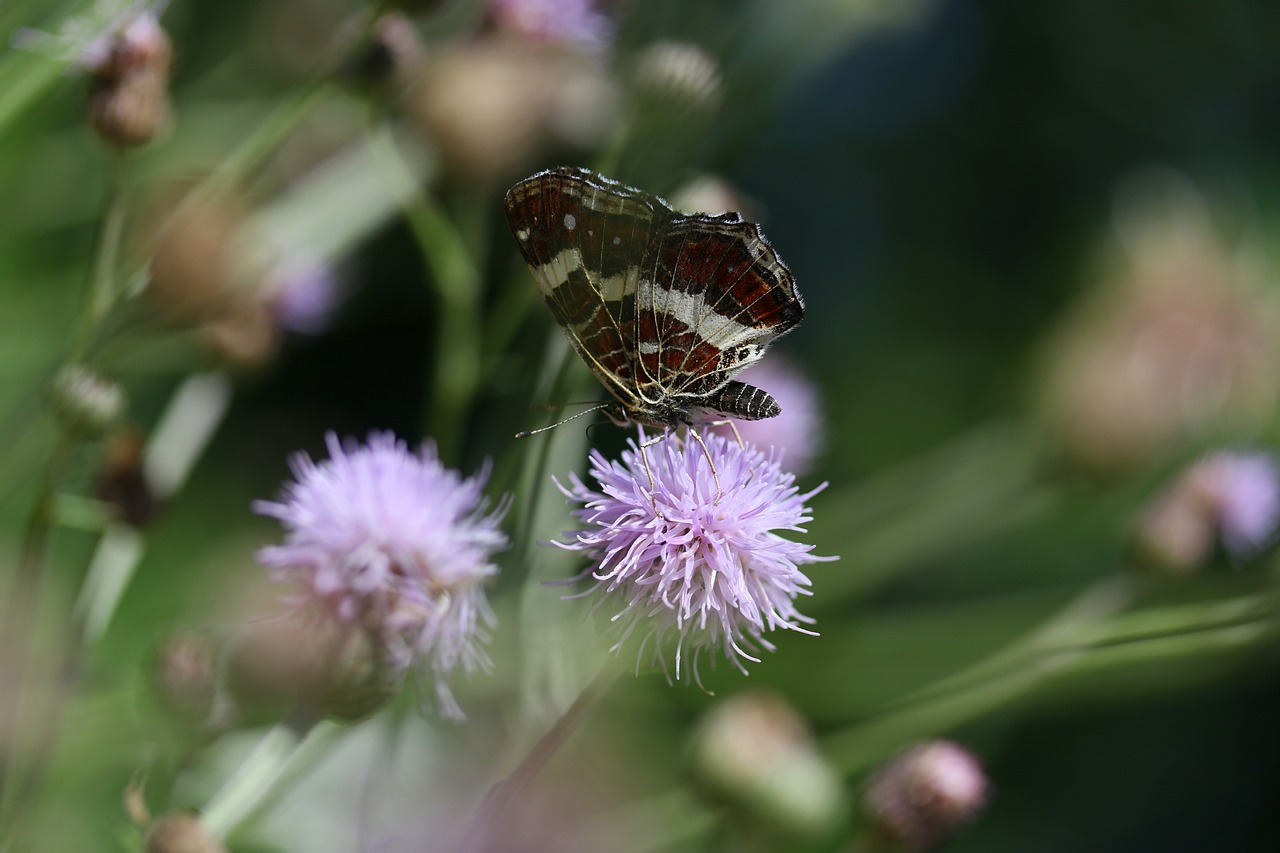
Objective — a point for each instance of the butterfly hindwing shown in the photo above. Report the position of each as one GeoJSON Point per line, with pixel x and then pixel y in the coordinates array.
{"type": "Point", "coordinates": [723, 295]}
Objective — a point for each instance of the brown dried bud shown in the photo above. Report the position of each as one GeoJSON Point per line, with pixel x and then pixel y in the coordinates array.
{"type": "Point", "coordinates": [393, 55]}
{"type": "Point", "coordinates": [181, 833]}
{"type": "Point", "coordinates": [245, 336]}
{"type": "Point", "coordinates": [491, 106]}
{"type": "Point", "coordinates": [184, 679]}
{"type": "Point", "coordinates": [121, 482]}
{"type": "Point", "coordinates": [195, 267]}
{"type": "Point", "coordinates": [925, 795]}
{"type": "Point", "coordinates": [129, 97]}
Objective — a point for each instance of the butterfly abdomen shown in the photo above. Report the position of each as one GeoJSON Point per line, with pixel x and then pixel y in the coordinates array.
{"type": "Point", "coordinates": [743, 401]}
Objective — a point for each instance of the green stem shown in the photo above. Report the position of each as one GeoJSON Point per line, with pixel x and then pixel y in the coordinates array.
{"type": "Point", "coordinates": [20, 606]}
{"type": "Point", "coordinates": [1000, 678]}
{"type": "Point", "coordinates": [458, 286]}
{"type": "Point", "coordinates": [1087, 634]}
{"type": "Point", "coordinates": [283, 755]}
{"type": "Point", "coordinates": [237, 166]}
{"type": "Point", "coordinates": [102, 291]}
{"type": "Point", "coordinates": [498, 803]}
{"type": "Point", "coordinates": [675, 820]}
{"type": "Point", "coordinates": [975, 486]}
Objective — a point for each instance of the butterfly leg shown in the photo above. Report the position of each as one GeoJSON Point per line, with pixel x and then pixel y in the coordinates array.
{"type": "Point", "coordinates": [715, 475]}
{"type": "Point", "coordinates": [644, 457]}
{"type": "Point", "coordinates": [733, 427]}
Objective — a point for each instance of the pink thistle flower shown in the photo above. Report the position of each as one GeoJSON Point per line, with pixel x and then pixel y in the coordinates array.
{"type": "Point", "coordinates": [799, 429]}
{"type": "Point", "coordinates": [396, 544]}
{"type": "Point", "coordinates": [685, 568]}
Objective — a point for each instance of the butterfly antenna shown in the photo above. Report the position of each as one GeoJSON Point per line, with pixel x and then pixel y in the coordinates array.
{"type": "Point", "coordinates": [530, 432]}
{"type": "Point", "coordinates": [547, 407]}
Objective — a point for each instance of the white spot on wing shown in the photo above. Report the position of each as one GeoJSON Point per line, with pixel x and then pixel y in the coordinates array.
{"type": "Point", "coordinates": [522, 234]}
{"type": "Point", "coordinates": [556, 271]}
{"type": "Point", "coordinates": [615, 287]}
{"type": "Point", "coordinates": [617, 241]}
{"type": "Point", "coordinates": [570, 221]}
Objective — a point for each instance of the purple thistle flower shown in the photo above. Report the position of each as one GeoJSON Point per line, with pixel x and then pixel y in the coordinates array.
{"type": "Point", "coordinates": [798, 430]}
{"type": "Point", "coordinates": [396, 544]}
{"type": "Point", "coordinates": [683, 567]}
{"type": "Point", "coordinates": [576, 22]}
{"type": "Point", "coordinates": [1243, 491]}
{"type": "Point", "coordinates": [89, 40]}
{"type": "Point", "coordinates": [304, 295]}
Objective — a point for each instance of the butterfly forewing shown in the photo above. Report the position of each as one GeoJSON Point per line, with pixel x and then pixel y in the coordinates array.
{"type": "Point", "coordinates": [581, 236]}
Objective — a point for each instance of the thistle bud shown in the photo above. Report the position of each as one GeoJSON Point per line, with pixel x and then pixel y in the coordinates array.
{"type": "Point", "coordinates": [491, 106]}
{"type": "Point", "coordinates": [392, 56]}
{"type": "Point", "coordinates": [244, 336]}
{"type": "Point", "coordinates": [755, 750]}
{"type": "Point", "coordinates": [678, 78]}
{"type": "Point", "coordinates": [711, 194]}
{"type": "Point", "coordinates": [129, 97]}
{"type": "Point", "coordinates": [924, 796]}
{"type": "Point", "coordinates": [121, 481]}
{"type": "Point", "coordinates": [84, 401]}
{"type": "Point", "coordinates": [181, 833]}
{"type": "Point", "coordinates": [184, 680]}
{"type": "Point", "coordinates": [335, 669]}
{"type": "Point", "coordinates": [198, 262]}
{"type": "Point", "coordinates": [1182, 335]}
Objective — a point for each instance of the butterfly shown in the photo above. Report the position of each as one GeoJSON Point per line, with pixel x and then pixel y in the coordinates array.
{"type": "Point", "coordinates": [666, 308]}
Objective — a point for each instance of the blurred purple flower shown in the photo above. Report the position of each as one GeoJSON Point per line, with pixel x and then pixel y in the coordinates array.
{"type": "Point", "coordinates": [576, 22]}
{"type": "Point", "coordinates": [1243, 490]}
{"type": "Point", "coordinates": [91, 40]}
{"type": "Point", "coordinates": [305, 295]}
{"type": "Point", "coordinates": [397, 544]}
{"type": "Point", "coordinates": [681, 566]}
{"type": "Point", "coordinates": [799, 429]}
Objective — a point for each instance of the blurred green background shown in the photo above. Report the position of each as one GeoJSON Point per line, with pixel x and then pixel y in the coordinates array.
{"type": "Point", "coordinates": [944, 179]}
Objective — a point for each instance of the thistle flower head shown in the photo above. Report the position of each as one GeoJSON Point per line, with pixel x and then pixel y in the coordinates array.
{"type": "Point", "coordinates": [395, 544]}
{"type": "Point", "coordinates": [695, 557]}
